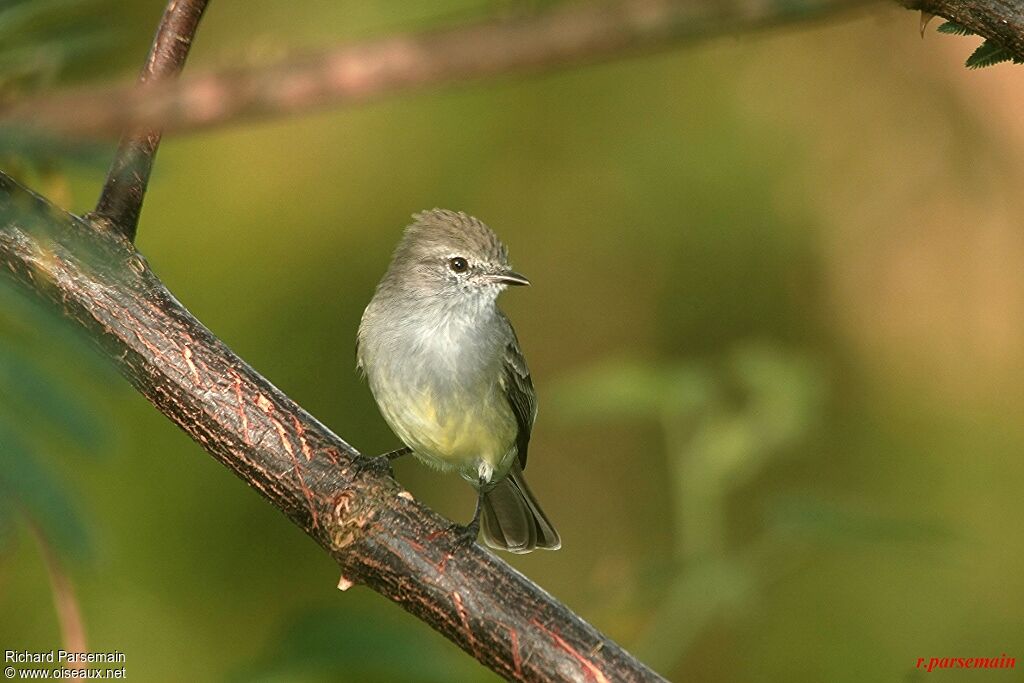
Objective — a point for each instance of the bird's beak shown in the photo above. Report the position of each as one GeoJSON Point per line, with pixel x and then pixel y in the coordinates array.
{"type": "Point", "coordinates": [510, 277]}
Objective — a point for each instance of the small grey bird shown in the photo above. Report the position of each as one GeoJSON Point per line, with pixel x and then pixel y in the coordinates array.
{"type": "Point", "coordinates": [444, 365]}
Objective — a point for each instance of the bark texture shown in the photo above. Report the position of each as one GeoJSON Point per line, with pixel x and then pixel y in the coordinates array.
{"type": "Point", "coordinates": [1000, 20]}
{"type": "Point", "coordinates": [378, 534]}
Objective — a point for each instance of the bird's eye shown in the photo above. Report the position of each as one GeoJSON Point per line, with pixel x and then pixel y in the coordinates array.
{"type": "Point", "coordinates": [458, 264]}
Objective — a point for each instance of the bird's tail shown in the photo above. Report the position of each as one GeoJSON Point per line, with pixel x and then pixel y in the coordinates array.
{"type": "Point", "coordinates": [512, 520]}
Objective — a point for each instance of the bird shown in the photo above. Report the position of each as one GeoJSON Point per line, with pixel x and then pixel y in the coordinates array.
{"type": "Point", "coordinates": [446, 370]}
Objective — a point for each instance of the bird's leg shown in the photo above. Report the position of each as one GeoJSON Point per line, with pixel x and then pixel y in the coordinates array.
{"type": "Point", "coordinates": [467, 535]}
{"type": "Point", "coordinates": [381, 464]}
{"type": "Point", "coordinates": [396, 454]}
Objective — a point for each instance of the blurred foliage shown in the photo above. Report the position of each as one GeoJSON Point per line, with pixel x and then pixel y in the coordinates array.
{"type": "Point", "coordinates": [727, 419]}
{"type": "Point", "coordinates": [804, 516]}
{"type": "Point", "coordinates": [725, 422]}
{"type": "Point", "coordinates": [29, 486]}
{"type": "Point", "coordinates": [19, 145]}
{"type": "Point", "coordinates": [352, 644]}
{"type": "Point", "coordinates": [46, 414]}
{"type": "Point", "coordinates": [804, 464]}
{"type": "Point", "coordinates": [46, 43]}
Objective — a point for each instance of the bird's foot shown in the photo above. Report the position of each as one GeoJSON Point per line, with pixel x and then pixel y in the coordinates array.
{"type": "Point", "coordinates": [465, 535]}
{"type": "Point", "coordinates": [379, 465]}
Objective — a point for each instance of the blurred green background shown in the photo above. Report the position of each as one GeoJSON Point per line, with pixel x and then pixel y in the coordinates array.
{"type": "Point", "coordinates": [776, 329]}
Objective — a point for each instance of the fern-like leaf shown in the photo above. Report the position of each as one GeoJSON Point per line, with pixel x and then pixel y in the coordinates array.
{"type": "Point", "coordinates": [988, 54]}
{"type": "Point", "coordinates": [953, 28]}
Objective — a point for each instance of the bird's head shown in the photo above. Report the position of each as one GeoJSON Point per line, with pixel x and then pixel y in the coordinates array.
{"type": "Point", "coordinates": [452, 255]}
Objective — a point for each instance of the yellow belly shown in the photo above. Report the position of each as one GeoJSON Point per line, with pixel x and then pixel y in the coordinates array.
{"type": "Point", "coordinates": [454, 434]}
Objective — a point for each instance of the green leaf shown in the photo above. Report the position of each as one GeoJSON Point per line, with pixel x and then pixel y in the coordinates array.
{"type": "Point", "coordinates": [988, 54]}
{"type": "Point", "coordinates": [45, 35]}
{"type": "Point", "coordinates": [46, 42]}
{"type": "Point", "coordinates": [48, 404]}
{"type": "Point", "coordinates": [953, 28]}
{"type": "Point", "coordinates": [35, 491]}
{"type": "Point", "coordinates": [46, 398]}
{"type": "Point", "coordinates": [45, 57]}
{"type": "Point", "coordinates": [27, 322]}
{"type": "Point", "coordinates": [50, 379]}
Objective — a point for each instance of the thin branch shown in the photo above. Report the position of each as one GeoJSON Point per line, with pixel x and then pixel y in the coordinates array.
{"type": "Point", "coordinates": [65, 601]}
{"type": "Point", "coordinates": [120, 202]}
{"type": "Point", "coordinates": [375, 531]}
{"type": "Point", "coordinates": [570, 34]}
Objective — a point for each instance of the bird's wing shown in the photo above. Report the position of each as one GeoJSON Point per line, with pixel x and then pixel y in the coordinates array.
{"type": "Point", "coordinates": [360, 368]}
{"type": "Point", "coordinates": [518, 386]}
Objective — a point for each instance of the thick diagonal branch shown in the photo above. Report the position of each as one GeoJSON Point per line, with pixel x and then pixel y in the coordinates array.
{"type": "Point", "coordinates": [572, 33]}
{"type": "Point", "coordinates": [376, 532]}
{"type": "Point", "coordinates": [120, 202]}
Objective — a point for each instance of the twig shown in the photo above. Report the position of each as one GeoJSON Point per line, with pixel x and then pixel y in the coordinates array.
{"type": "Point", "coordinates": [375, 531]}
{"type": "Point", "coordinates": [570, 34]}
{"type": "Point", "coordinates": [120, 202]}
{"type": "Point", "coordinates": [65, 601]}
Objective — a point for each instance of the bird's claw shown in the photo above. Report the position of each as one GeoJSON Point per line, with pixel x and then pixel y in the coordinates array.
{"type": "Point", "coordinates": [465, 535]}
{"type": "Point", "coordinates": [379, 465]}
